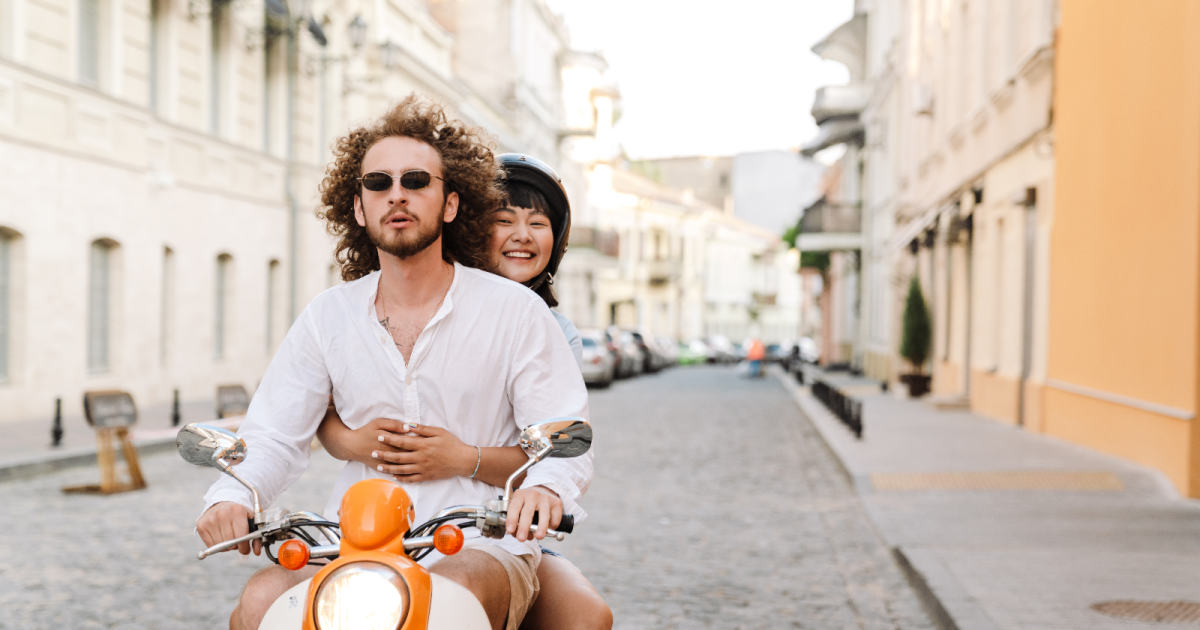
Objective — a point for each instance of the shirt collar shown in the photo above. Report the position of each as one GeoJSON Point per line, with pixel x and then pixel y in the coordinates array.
{"type": "Point", "coordinates": [447, 304]}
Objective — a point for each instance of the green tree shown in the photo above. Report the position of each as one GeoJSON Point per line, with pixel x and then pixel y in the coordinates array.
{"type": "Point", "coordinates": [918, 330]}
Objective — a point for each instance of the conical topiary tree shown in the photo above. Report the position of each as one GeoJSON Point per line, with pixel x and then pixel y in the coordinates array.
{"type": "Point", "coordinates": [918, 331]}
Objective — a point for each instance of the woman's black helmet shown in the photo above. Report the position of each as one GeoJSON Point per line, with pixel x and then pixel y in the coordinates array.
{"type": "Point", "coordinates": [532, 172]}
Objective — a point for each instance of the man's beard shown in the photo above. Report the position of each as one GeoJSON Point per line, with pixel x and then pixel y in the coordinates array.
{"type": "Point", "coordinates": [408, 242]}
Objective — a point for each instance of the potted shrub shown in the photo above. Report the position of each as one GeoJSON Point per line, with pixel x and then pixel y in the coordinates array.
{"type": "Point", "coordinates": [916, 339]}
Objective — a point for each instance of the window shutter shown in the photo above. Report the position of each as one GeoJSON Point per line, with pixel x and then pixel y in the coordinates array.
{"type": "Point", "coordinates": [98, 311]}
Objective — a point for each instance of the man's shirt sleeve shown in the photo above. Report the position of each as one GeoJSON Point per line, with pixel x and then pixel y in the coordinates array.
{"type": "Point", "coordinates": [545, 383]}
{"type": "Point", "coordinates": [281, 421]}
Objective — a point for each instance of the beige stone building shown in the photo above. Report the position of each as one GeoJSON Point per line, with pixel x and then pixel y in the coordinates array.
{"type": "Point", "coordinates": [161, 161]}
{"type": "Point", "coordinates": [957, 188]}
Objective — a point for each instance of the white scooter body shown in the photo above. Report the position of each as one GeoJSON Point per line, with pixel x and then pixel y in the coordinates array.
{"type": "Point", "coordinates": [453, 608]}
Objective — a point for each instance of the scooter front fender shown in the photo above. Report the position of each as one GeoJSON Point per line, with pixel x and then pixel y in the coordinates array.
{"type": "Point", "coordinates": [453, 608]}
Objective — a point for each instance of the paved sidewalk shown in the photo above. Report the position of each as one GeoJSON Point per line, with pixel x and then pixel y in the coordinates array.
{"type": "Point", "coordinates": [1075, 528]}
{"type": "Point", "coordinates": [25, 449]}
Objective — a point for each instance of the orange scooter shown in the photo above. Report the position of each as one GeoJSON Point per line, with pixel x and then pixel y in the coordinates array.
{"type": "Point", "coordinates": [372, 580]}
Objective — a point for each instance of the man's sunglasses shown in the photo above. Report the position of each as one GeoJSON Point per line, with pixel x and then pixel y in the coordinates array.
{"type": "Point", "coordinates": [410, 180]}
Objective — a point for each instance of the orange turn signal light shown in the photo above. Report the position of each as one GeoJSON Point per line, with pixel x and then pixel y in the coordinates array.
{"type": "Point", "coordinates": [448, 539]}
{"type": "Point", "coordinates": [293, 555]}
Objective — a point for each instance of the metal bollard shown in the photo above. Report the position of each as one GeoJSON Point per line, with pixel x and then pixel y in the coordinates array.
{"type": "Point", "coordinates": [175, 410]}
{"type": "Point", "coordinates": [56, 433]}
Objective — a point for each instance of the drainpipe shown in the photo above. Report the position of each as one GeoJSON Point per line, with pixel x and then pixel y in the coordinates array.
{"type": "Point", "coordinates": [293, 54]}
{"type": "Point", "coordinates": [1030, 204]}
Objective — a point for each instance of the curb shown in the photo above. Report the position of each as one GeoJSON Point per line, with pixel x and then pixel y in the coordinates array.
{"type": "Point", "coordinates": [54, 462]}
{"type": "Point", "coordinates": [940, 593]}
{"type": "Point", "coordinates": [147, 442]}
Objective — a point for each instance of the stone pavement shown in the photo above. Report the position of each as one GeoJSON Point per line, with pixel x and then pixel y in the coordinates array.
{"type": "Point", "coordinates": [1012, 559]}
{"type": "Point", "coordinates": [715, 505]}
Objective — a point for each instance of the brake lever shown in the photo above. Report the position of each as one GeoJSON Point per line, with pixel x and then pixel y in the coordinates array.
{"type": "Point", "coordinates": [228, 544]}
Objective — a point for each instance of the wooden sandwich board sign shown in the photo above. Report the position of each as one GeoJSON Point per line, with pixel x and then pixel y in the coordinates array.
{"type": "Point", "coordinates": [111, 413]}
{"type": "Point", "coordinates": [232, 400]}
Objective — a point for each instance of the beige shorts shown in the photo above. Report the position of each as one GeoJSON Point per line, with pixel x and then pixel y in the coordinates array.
{"type": "Point", "coordinates": [523, 584]}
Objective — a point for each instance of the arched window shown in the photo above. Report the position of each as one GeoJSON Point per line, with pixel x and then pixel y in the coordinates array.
{"type": "Point", "coordinates": [222, 285]}
{"type": "Point", "coordinates": [9, 246]}
{"type": "Point", "coordinates": [167, 306]}
{"type": "Point", "coordinates": [101, 281]}
{"type": "Point", "coordinates": [273, 287]}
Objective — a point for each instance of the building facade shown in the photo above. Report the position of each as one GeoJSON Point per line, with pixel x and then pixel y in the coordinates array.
{"type": "Point", "coordinates": [191, 136]}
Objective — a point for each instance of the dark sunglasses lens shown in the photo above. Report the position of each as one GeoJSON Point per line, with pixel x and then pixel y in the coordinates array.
{"type": "Point", "coordinates": [377, 182]}
{"type": "Point", "coordinates": [415, 180]}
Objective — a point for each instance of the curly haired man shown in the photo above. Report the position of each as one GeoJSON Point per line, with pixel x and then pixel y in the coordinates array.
{"type": "Point", "coordinates": [418, 334]}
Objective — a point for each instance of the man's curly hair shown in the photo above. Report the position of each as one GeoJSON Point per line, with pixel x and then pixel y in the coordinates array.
{"type": "Point", "coordinates": [468, 168]}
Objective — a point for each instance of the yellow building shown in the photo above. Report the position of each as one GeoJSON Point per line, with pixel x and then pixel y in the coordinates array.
{"type": "Point", "coordinates": [1123, 347]}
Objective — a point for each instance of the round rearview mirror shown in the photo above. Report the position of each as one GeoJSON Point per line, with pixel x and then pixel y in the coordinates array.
{"type": "Point", "coordinates": [205, 445]}
{"type": "Point", "coordinates": [557, 437]}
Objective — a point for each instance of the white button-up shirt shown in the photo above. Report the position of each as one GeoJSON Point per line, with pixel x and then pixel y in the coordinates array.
{"type": "Point", "coordinates": [490, 362]}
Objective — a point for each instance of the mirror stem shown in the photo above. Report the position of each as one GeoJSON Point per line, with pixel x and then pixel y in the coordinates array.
{"type": "Point", "coordinates": [227, 469]}
{"type": "Point", "coordinates": [520, 471]}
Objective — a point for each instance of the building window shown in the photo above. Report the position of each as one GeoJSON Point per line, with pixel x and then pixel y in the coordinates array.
{"type": "Point", "coordinates": [272, 302]}
{"type": "Point", "coordinates": [6, 291]}
{"type": "Point", "coordinates": [220, 314]}
{"type": "Point", "coordinates": [153, 55]}
{"type": "Point", "coordinates": [89, 43]}
{"type": "Point", "coordinates": [100, 283]}
{"type": "Point", "coordinates": [166, 310]}
{"type": "Point", "coordinates": [216, 43]}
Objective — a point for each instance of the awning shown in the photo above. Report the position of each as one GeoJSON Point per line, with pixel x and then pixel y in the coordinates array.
{"type": "Point", "coordinates": [913, 228]}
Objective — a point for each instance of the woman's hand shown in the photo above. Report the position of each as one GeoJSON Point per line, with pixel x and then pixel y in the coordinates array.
{"type": "Point", "coordinates": [423, 453]}
{"type": "Point", "coordinates": [357, 445]}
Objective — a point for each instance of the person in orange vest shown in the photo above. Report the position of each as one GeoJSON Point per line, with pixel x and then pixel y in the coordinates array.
{"type": "Point", "coordinates": [755, 355]}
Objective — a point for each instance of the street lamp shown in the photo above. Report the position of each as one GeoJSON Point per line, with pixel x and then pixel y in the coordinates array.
{"type": "Point", "coordinates": [389, 54]}
{"type": "Point", "coordinates": [357, 30]}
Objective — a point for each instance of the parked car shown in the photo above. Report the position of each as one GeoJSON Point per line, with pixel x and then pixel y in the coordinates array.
{"type": "Point", "coordinates": [597, 364]}
{"type": "Point", "coordinates": [649, 361]}
{"type": "Point", "coordinates": [720, 349]}
{"type": "Point", "coordinates": [633, 359]}
{"type": "Point", "coordinates": [605, 339]}
{"type": "Point", "coordinates": [669, 347]}
{"type": "Point", "coordinates": [693, 352]}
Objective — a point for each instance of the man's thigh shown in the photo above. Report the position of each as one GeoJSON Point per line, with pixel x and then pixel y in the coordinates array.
{"type": "Point", "coordinates": [504, 584]}
{"type": "Point", "coordinates": [262, 590]}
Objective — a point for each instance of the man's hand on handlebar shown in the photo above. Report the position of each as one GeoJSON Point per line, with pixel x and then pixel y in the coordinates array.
{"type": "Point", "coordinates": [529, 501]}
{"type": "Point", "coordinates": [225, 521]}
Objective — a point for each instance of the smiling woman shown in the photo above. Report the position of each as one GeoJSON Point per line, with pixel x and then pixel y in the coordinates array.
{"type": "Point", "coordinates": [522, 236]}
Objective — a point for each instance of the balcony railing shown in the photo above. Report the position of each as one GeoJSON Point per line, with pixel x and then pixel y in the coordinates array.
{"type": "Point", "coordinates": [607, 242]}
{"type": "Point", "coordinates": [824, 217]}
{"type": "Point", "coordinates": [662, 271]}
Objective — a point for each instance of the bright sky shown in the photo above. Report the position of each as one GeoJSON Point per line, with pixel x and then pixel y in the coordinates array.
{"type": "Point", "coordinates": [708, 77]}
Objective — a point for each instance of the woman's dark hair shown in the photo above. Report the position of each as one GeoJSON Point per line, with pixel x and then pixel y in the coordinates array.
{"type": "Point", "coordinates": [521, 195]}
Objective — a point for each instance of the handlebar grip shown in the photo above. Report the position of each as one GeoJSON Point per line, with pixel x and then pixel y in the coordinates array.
{"type": "Point", "coordinates": [253, 527]}
{"type": "Point", "coordinates": [565, 525]}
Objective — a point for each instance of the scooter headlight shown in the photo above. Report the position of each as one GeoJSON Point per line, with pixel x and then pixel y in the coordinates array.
{"type": "Point", "coordinates": [361, 596]}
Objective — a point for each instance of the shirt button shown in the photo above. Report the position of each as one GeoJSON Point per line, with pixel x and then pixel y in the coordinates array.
{"type": "Point", "coordinates": [408, 380]}
{"type": "Point", "coordinates": [382, 339]}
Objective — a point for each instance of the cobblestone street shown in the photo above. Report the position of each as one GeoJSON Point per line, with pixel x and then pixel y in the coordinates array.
{"type": "Point", "coordinates": [716, 505]}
